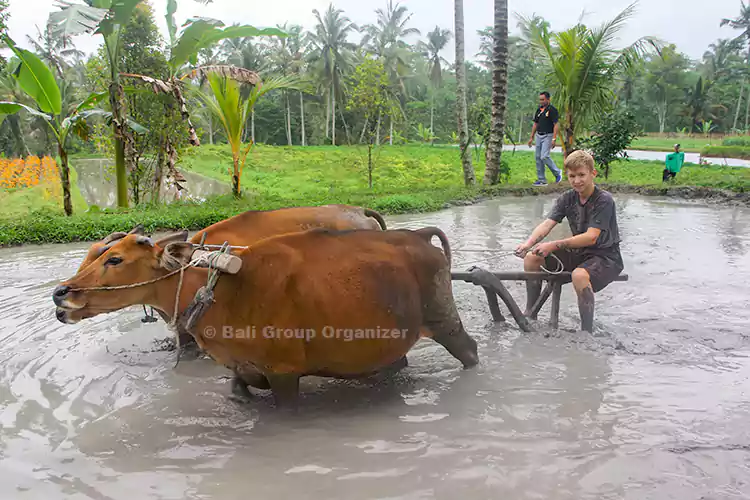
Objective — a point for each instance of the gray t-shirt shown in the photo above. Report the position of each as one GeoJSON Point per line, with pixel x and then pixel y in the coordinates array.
{"type": "Point", "coordinates": [599, 212]}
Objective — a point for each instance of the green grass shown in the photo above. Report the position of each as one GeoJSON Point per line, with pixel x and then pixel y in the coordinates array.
{"type": "Point", "coordinates": [405, 179]}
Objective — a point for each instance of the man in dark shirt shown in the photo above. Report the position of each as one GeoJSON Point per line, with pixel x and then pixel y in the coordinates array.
{"type": "Point", "coordinates": [545, 131]}
{"type": "Point", "coordinates": [592, 253]}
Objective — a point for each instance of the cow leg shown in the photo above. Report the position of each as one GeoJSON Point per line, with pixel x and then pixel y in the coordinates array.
{"type": "Point", "coordinates": [399, 365]}
{"type": "Point", "coordinates": [239, 388]}
{"type": "Point", "coordinates": [257, 380]}
{"type": "Point", "coordinates": [442, 319]}
{"type": "Point", "coordinates": [285, 388]}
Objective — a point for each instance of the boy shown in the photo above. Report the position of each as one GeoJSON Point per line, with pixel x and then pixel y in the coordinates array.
{"type": "Point", "coordinates": [592, 253]}
{"type": "Point", "coordinates": [673, 164]}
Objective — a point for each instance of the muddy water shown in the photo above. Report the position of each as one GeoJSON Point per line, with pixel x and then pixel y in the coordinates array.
{"type": "Point", "coordinates": [653, 406]}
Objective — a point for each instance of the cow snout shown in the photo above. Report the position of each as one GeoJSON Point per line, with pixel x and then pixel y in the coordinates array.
{"type": "Point", "coordinates": [60, 294]}
{"type": "Point", "coordinates": [60, 314]}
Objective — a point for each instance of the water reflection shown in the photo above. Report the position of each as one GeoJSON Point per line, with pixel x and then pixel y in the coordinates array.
{"type": "Point", "coordinates": [96, 180]}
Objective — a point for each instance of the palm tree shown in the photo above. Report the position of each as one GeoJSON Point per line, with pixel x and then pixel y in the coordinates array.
{"type": "Point", "coordinates": [437, 40]}
{"type": "Point", "coordinates": [333, 55]}
{"type": "Point", "coordinates": [248, 54]}
{"type": "Point", "coordinates": [385, 40]}
{"type": "Point", "coordinates": [463, 126]}
{"type": "Point", "coordinates": [232, 108]}
{"type": "Point", "coordinates": [741, 22]}
{"type": "Point", "coordinates": [499, 92]}
{"type": "Point", "coordinates": [286, 59]}
{"type": "Point", "coordinates": [582, 66]}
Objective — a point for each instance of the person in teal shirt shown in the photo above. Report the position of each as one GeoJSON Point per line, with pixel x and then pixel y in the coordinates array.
{"type": "Point", "coordinates": [673, 164]}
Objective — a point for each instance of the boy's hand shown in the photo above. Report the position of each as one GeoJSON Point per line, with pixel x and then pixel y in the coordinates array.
{"type": "Point", "coordinates": [544, 249]}
{"type": "Point", "coordinates": [522, 250]}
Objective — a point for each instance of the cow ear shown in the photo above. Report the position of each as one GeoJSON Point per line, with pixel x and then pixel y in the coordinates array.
{"type": "Point", "coordinates": [181, 236]}
{"type": "Point", "coordinates": [175, 255]}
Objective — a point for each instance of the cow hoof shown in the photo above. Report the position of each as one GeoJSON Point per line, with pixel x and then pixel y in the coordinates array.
{"type": "Point", "coordinates": [239, 388]}
{"type": "Point", "coordinates": [256, 380]}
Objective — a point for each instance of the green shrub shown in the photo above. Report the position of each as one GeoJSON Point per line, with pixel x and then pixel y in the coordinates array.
{"type": "Point", "coordinates": [742, 152]}
{"type": "Point", "coordinates": [736, 141]}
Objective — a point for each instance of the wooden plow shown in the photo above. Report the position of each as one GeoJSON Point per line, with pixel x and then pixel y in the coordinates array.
{"type": "Point", "coordinates": [492, 283]}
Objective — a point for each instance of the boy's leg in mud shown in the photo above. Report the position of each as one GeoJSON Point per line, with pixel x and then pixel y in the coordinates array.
{"type": "Point", "coordinates": [594, 274]}
{"type": "Point", "coordinates": [533, 263]}
{"type": "Point", "coordinates": [585, 292]}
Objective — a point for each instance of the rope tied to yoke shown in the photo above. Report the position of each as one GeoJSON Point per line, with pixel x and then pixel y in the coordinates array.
{"type": "Point", "coordinates": [204, 297]}
{"type": "Point", "coordinates": [560, 266]}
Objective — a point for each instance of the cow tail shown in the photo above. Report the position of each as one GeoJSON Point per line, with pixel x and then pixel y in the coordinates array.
{"type": "Point", "coordinates": [375, 215]}
{"type": "Point", "coordinates": [429, 232]}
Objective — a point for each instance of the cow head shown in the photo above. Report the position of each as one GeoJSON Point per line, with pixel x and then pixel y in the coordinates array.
{"type": "Point", "coordinates": [126, 260]}
{"type": "Point", "coordinates": [100, 247]}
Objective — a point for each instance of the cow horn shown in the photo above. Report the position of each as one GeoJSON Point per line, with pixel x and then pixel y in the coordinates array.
{"type": "Point", "coordinates": [114, 236]}
{"type": "Point", "coordinates": [138, 229]}
{"type": "Point", "coordinates": [181, 236]}
{"type": "Point", "coordinates": [144, 240]}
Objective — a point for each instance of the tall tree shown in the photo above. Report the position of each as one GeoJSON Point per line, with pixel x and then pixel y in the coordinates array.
{"type": "Point", "coordinates": [437, 40]}
{"type": "Point", "coordinates": [499, 92]}
{"type": "Point", "coordinates": [463, 129]}
{"type": "Point", "coordinates": [582, 66]}
{"type": "Point", "coordinates": [742, 23]}
{"type": "Point", "coordinates": [333, 54]}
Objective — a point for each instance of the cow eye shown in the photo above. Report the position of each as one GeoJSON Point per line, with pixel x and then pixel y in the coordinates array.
{"type": "Point", "coordinates": [113, 261]}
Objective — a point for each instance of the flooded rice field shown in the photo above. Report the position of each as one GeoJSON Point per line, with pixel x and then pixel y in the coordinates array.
{"type": "Point", "coordinates": [654, 405]}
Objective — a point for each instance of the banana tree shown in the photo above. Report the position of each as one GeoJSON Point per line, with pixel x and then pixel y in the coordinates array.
{"type": "Point", "coordinates": [106, 18]}
{"type": "Point", "coordinates": [197, 34]}
{"type": "Point", "coordinates": [232, 109]}
{"type": "Point", "coordinates": [37, 80]}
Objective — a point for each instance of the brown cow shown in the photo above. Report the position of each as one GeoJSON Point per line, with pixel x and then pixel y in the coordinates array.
{"type": "Point", "coordinates": [251, 226]}
{"type": "Point", "coordinates": [318, 281]}
{"type": "Point", "coordinates": [248, 227]}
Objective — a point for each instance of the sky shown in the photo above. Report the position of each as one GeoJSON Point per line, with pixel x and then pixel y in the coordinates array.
{"type": "Point", "coordinates": [690, 24]}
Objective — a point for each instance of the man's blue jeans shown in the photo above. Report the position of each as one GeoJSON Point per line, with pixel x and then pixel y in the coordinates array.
{"type": "Point", "coordinates": [543, 147]}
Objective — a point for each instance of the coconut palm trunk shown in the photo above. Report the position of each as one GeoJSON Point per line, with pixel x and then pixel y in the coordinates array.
{"type": "Point", "coordinates": [499, 93]}
{"type": "Point", "coordinates": [739, 104]}
{"type": "Point", "coordinates": [333, 120]}
{"type": "Point", "coordinates": [302, 116]}
{"type": "Point", "coordinates": [288, 119]}
{"type": "Point", "coordinates": [463, 128]}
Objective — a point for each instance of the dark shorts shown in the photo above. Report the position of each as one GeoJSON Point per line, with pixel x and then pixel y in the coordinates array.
{"type": "Point", "coordinates": [602, 269]}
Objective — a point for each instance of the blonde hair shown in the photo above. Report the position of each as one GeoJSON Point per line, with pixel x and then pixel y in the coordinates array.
{"type": "Point", "coordinates": [579, 159]}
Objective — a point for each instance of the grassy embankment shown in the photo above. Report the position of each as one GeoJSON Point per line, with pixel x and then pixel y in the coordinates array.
{"type": "Point", "coordinates": [687, 144]}
{"type": "Point", "coordinates": [405, 179]}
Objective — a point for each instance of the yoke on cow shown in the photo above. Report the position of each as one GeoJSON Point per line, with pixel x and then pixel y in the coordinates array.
{"type": "Point", "coordinates": [492, 283]}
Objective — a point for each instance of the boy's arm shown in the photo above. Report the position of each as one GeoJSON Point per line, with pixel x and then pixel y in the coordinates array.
{"type": "Point", "coordinates": [533, 131]}
{"type": "Point", "coordinates": [539, 233]}
{"type": "Point", "coordinates": [579, 241]}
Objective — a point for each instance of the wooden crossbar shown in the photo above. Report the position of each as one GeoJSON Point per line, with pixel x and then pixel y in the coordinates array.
{"type": "Point", "coordinates": [493, 287]}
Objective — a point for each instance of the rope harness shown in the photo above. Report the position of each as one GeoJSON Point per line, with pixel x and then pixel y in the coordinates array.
{"type": "Point", "coordinates": [203, 299]}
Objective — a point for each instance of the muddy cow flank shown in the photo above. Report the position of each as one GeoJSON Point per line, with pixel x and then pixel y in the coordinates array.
{"type": "Point", "coordinates": [318, 281]}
